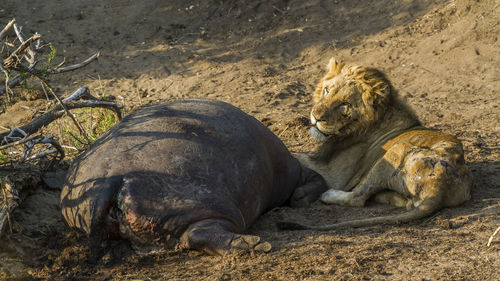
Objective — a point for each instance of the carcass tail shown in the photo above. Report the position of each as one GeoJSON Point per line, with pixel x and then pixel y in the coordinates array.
{"type": "Point", "coordinates": [288, 225]}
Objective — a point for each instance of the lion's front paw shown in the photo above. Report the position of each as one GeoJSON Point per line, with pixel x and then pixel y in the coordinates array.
{"type": "Point", "coordinates": [340, 197]}
{"type": "Point", "coordinates": [333, 196]}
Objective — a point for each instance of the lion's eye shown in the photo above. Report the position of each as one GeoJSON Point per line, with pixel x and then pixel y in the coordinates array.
{"type": "Point", "coordinates": [325, 92]}
{"type": "Point", "coordinates": [344, 107]}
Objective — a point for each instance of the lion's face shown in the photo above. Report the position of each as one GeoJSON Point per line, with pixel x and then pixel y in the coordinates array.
{"type": "Point", "coordinates": [348, 100]}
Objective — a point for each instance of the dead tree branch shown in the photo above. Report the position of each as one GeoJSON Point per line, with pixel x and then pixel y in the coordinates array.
{"type": "Point", "coordinates": [6, 29]}
{"type": "Point", "coordinates": [32, 54]}
{"type": "Point", "coordinates": [29, 143]}
{"type": "Point", "coordinates": [42, 140]}
{"type": "Point", "coordinates": [22, 149]}
{"type": "Point", "coordinates": [11, 83]}
{"type": "Point", "coordinates": [77, 123]}
{"type": "Point", "coordinates": [13, 59]}
{"type": "Point", "coordinates": [59, 69]}
{"type": "Point", "coordinates": [29, 49]}
{"type": "Point", "coordinates": [81, 93]}
{"type": "Point", "coordinates": [57, 112]}
{"type": "Point", "coordinates": [11, 144]}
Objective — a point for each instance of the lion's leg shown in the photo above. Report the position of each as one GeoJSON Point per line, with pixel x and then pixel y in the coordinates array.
{"type": "Point", "coordinates": [355, 198]}
{"type": "Point", "coordinates": [371, 184]}
{"type": "Point", "coordinates": [393, 198]}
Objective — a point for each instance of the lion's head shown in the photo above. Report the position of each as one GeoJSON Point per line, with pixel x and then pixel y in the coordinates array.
{"type": "Point", "coordinates": [348, 100]}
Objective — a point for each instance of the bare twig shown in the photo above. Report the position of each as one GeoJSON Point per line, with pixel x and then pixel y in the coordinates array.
{"type": "Point", "coordinates": [77, 123]}
{"type": "Point", "coordinates": [11, 83]}
{"type": "Point", "coordinates": [69, 147]}
{"type": "Point", "coordinates": [38, 140]}
{"type": "Point", "coordinates": [5, 138]}
{"type": "Point", "coordinates": [284, 130]}
{"type": "Point", "coordinates": [79, 94]}
{"type": "Point", "coordinates": [13, 58]}
{"type": "Point", "coordinates": [28, 49]}
{"type": "Point", "coordinates": [29, 143]}
{"type": "Point", "coordinates": [19, 34]}
{"type": "Point", "coordinates": [50, 140]}
{"type": "Point", "coordinates": [32, 55]}
{"type": "Point", "coordinates": [21, 141]}
{"type": "Point", "coordinates": [57, 112]}
{"type": "Point", "coordinates": [40, 155]}
{"type": "Point", "coordinates": [6, 29]}
{"type": "Point", "coordinates": [45, 92]}
{"type": "Point", "coordinates": [74, 66]}
{"type": "Point", "coordinates": [18, 60]}
{"type": "Point", "coordinates": [62, 63]}
{"type": "Point", "coordinates": [493, 235]}
{"type": "Point", "coordinates": [6, 73]}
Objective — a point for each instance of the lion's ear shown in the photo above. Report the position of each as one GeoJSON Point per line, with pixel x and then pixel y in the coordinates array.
{"type": "Point", "coordinates": [377, 94]}
{"type": "Point", "coordinates": [382, 89]}
{"type": "Point", "coordinates": [334, 66]}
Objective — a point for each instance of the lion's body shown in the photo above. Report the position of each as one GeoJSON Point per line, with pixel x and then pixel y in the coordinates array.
{"type": "Point", "coordinates": [375, 146]}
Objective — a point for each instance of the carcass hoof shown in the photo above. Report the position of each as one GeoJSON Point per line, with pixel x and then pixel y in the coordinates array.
{"type": "Point", "coordinates": [249, 243]}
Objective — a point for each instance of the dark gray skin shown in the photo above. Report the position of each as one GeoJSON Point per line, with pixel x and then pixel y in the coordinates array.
{"type": "Point", "coordinates": [194, 172]}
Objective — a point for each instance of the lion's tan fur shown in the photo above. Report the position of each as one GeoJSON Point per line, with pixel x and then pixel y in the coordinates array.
{"type": "Point", "coordinates": [376, 146]}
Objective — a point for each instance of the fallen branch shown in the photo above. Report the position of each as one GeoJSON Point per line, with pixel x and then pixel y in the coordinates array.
{"type": "Point", "coordinates": [77, 123]}
{"type": "Point", "coordinates": [29, 143]}
{"type": "Point", "coordinates": [6, 73]}
{"type": "Point", "coordinates": [47, 140]}
{"type": "Point", "coordinates": [80, 94]}
{"type": "Point", "coordinates": [57, 112]}
{"type": "Point", "coordinates": [10, 135]}
{"type": "Point", "coordinates": [24, 134]}
{"type": "Point", "coordinates": [58, 69]}
{"type": "Point", "coordinates": [23, 151]}
{"type": "Point", "coordinates": [6, 29]}
{"type": "Point", "coordinates": [13, 59]}
{"type": "Point", "coordinates": [20, 36]}
{"type": "Point", "coordinates": [21, 141]}
{"type": "Point", "coordinates": [11, 83]}
{"type": "Point", "coordinates": [29, 49]}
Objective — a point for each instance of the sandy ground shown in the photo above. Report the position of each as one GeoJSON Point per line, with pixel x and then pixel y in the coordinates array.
{"type": "Point", "coordinates": [266, 57]}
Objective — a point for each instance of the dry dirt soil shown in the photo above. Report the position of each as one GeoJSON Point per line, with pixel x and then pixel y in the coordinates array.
{"type": "Point", "coordinates": [265, 57]}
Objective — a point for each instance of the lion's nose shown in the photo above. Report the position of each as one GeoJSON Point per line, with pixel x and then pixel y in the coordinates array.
{"type": "Point", "coordinates": [318, 113]}
{"type": "Point", "coordinates": [313, 119]}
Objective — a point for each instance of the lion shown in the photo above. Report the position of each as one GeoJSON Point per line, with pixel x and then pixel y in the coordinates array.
{"type": "Point", "coordinates": [374, 145]}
